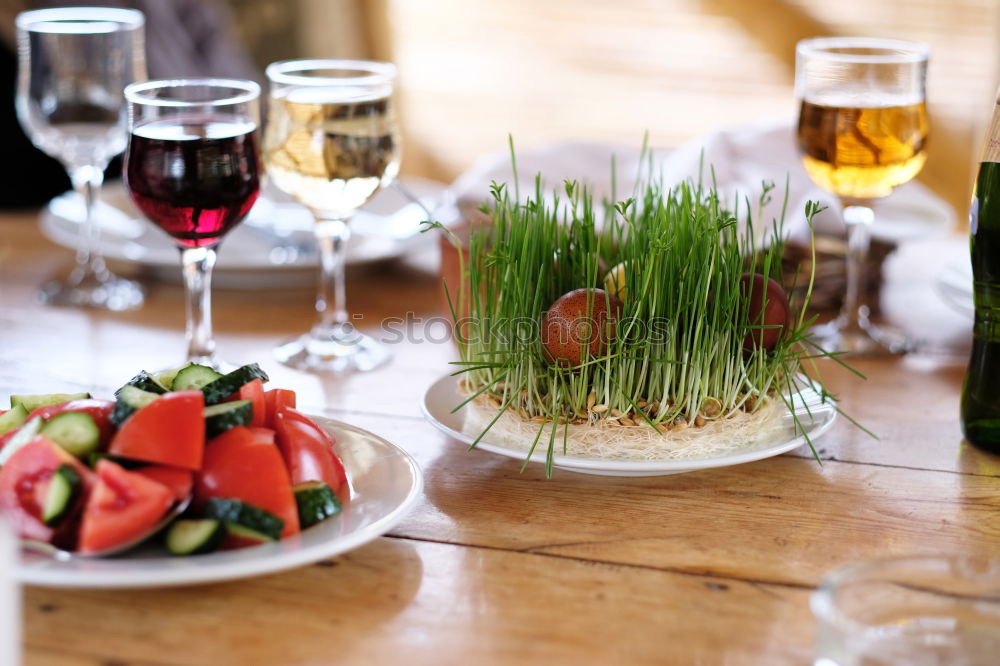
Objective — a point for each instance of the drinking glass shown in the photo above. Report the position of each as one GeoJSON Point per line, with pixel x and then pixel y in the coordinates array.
{"type": "Point", "coordinates": [932, 610]}
{"type": "Point", "coordinates": [331, 143]}
{"type": "Point", "coordinates": [862, 131]}
{"type": "Point", "coordinates": [73, 64]}
{"type": "Point", "coordinates": [193, 168]}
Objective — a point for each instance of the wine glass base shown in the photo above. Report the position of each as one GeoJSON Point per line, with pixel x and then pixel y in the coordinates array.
{"type": "Point", "coordinates": [866, 340]}
{"type": "Point", "coordinates": [315, 352]}
{"type": "Point", "coordinates": [107, 293]}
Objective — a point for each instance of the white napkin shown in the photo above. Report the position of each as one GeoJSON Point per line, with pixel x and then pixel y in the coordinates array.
{"type": "Point", "coordinates": [742, 158]}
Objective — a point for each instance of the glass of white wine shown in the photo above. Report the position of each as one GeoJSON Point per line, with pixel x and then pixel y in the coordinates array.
{"type": "Point", "coordinates": [862, 131]}
{"type": "Point", "coordinates": [331, 143]}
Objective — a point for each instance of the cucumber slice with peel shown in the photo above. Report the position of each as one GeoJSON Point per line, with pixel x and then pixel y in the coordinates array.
{"type": "Point", "coordinates": [166, 378]}
{"type": "Point", "coordinates": [316, 502]}
{"type": "Point", "coordinates": [20, 438]}
{"type": "Point", "coordinates": [128, 400]}
{"type": "Point", "coordinates": [12, 419]}
{"type": "Point", "coordinates": [194, 376]}
{"type": "Point", "coordinates": [194, 537]}
{"type": "Point", "coordinates": [76, 432]}
{"type": "Point", "coordinates": [241, 513]}
{"type": "Point", "coordinates": [250, 534]}
{"type": "Point", "coordinates": [220, 418]}
{"type": "Point", "coordinates": [65, 487]}
{"type": "Point", "coordinates": [227, 385]}
{"type": "Point", "coordinates": [146, 382]}
{"type": "Point", "coordinates": [33, 402]}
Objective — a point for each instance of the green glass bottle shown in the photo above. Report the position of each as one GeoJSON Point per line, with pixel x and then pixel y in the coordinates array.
{"type": "Point", "coordinates": [981, 390]}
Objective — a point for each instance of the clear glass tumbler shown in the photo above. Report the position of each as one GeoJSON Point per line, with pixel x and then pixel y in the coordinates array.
{"type": "Point", "coordinates": [918, 611]}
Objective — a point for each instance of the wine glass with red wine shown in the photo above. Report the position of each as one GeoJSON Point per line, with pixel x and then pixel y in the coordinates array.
{"type": "Point", "coordinates": [193, 168]}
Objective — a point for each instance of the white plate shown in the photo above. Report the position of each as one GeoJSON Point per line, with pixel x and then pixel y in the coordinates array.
{"type": "Point", "coordinates": [273, 248]}
{"type": "Point", "coordinates": [385, 482]}
{"type": "Point", "coordinates": [443, 396]}
{"type": "Point", "coordinates": [955, 285]}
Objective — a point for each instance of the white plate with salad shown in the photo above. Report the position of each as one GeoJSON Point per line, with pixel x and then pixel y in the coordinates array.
{"type": "Point", "coordinates": [267, 493]}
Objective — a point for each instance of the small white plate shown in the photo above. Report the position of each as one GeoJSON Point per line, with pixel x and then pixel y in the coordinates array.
{"type": "Point", "coordinates": [443, 396]}
{"type": "Point", "coordinates": [385, 483]}
{"type": "Point", "coordinates": [273, 248]}
{"type": "Point", "coordinates": [955, 285]}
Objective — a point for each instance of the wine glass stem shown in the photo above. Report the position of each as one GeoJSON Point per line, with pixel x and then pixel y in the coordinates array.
{"type": "Point", "coordinates": [197, 263]}
{"type": "Point", "coordinates": [87, 181]}
{"type": "Point", "coordinates": [331, 300]}
{"type": "Point", "coordinates": [855, 311]}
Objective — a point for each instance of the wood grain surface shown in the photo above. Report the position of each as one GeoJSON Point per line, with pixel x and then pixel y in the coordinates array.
{"type": "Point", "coordinates": [495, 566]}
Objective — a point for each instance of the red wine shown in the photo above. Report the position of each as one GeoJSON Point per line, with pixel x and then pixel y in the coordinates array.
{"type": "Point", "coordinates": [195, 178]}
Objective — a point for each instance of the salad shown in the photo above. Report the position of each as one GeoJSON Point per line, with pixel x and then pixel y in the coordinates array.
{"type": "Point", "coordinates": [237, 464]}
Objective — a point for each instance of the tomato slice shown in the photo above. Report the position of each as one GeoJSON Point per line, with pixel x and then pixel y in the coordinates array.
{"type": "Point", "coordinates": [254, 392]}
{"type": "Point", "coordinates": [122, 506]}
{"type": "Point", "coordinates": [24, 483]}
{"type": "Point", "coordinates": [169, 431]}
{"type": "Point", "coordinates": [275, 400]}
{"type": "Point", "coordinates": [308, 451]}
{"type": "Point", "coordinates": [245, 464]}
{"type": "Point", "coordinates": [179, 481]}
{"type": "Point", "coordinates": [99, 410]}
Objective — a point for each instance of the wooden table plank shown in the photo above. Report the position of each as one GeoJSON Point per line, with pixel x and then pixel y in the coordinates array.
{"type": "Point", "coordinates": [784, 519]}
{"type": "Point", "coordinates": [435, 604]}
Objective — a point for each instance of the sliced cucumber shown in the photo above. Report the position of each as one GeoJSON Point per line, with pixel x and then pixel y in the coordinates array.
{"type": "Point", "coordinates": [76, 432]}
{"type": "Point", "coordinates": [240, 513]}
{"type": "Point", "coordinates": [194, 537]}
{"type": "Point", "coordinates": [146, 382]}
{"type": "Point", "coordinates": [247, 533]}
{"type": "Point", "coordinates": [65, 487]}
{"type": "Point", "coordinates": [220, 418]}
{"type": "Point", "coordinates": [166, 378]}
{"type": "Point", "coordinates": [33, 402]}
{"type": "Point", "coordinates": [128, 400]}
{"type": "Point", "coordinates": [20, 438]}
{"type": "Point", "coordinates": [12, 419]}
{"type": "Point", "coordinates": [316, 502]}
{"type": "Point", "coordinates": [193, 376]}
{"type": "Point", "coordinates": [225, 386]}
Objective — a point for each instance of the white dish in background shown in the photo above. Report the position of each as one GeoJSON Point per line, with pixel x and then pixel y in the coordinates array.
{"type": "Point", "coordinates": [443, 396]}
{"type": "Point", "coordinates": [273, 248]}
{"type": "Point", "coordinates": [955, 285]}
{"type": "Point", "coordinates": [385, 483]}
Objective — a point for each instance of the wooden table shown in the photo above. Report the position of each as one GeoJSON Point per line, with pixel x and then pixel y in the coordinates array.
{"type": "Point", "coordinates": [493, 565]}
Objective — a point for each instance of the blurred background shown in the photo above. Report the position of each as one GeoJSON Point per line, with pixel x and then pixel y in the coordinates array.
{"type": "Point", "coordinates": [473, 70]}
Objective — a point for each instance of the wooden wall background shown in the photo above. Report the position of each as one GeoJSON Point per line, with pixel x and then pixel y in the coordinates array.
{"type": "Point", "coordinates": [550, 70]}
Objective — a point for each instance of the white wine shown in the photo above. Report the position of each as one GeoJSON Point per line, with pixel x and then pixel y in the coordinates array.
{"type": "Point", "coordinates": [862, 153]}
{"type": "Point", "coordinates": [331, 148]}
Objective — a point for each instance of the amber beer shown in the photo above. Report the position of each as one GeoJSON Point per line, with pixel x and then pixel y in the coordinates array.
{"type": "Point", "coordinates": [862, 153]}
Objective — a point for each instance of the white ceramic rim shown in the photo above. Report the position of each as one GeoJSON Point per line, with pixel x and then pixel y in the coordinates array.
{"type": "Point", "coordinates": [897, 51]}
{"type": "Point", "coordinates": [615, 467]}
{"type": "Point", "coordinates": [134, 92]}
{"type": "Point", "coordinates": [61, 20]}
{"type": "Point", "coordinates": [246, 562]}
{"type": "Point", "coordinates": [371, 72]}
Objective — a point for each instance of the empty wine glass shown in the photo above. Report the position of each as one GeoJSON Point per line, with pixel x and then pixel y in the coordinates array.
{"type": "Point", "coordinates": [193, 169]}
{"type": "Point", "coordinates": [74, 63]}
{"type": "Point", "coordinates": [332, 143]}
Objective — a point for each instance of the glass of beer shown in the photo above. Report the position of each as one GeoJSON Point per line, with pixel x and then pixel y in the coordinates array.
{"type": "Point", "coordinates": [862, 131]}
{"type": "Point", "coordinates": [331, 142]}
